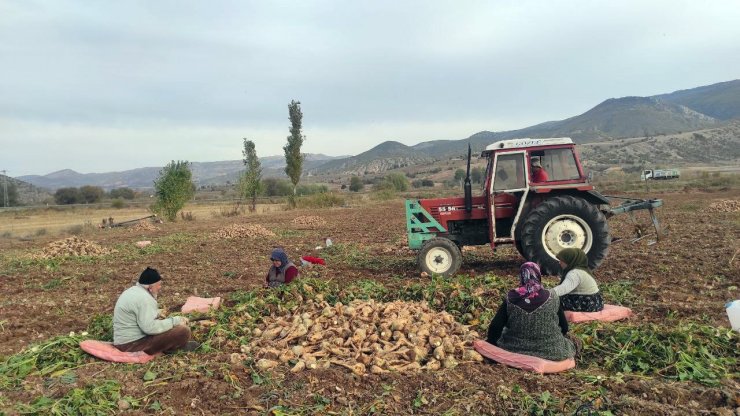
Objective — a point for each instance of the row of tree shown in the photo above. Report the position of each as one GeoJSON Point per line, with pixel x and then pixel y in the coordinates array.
{"type": "Point", "coordinates": [476, 175]}
{"type": "Point", "coordinates": [174, 186]}
{"type": "Point", "coordinates": [90, 195]}
{"type": "Point", "coordinates": [251, 183]}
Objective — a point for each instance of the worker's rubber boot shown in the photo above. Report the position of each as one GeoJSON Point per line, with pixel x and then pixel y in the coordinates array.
{"type": "Point", "coordinates": [191, 346]}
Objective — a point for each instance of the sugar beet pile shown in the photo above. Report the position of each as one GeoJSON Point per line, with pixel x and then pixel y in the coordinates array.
{"type": "Point", "coordinates": [242, 231]}
{"type": "Point", "coordinates": [309, 221]}
{"type": "Point", "coordinates": [364, 336]}
{"type": "Point", "coordinates": [725, 205]}
{"type": "Point", "coordinates": [144, 226]}
{"type": "Point", "coordinates": [73, 246]}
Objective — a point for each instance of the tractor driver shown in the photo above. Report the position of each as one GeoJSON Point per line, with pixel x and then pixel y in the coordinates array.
{"type": "Point", "coordinates": [538, 173]}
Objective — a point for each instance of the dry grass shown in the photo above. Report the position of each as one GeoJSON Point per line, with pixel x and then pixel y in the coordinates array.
{"type": "Point", "coordinates": [27, 223]}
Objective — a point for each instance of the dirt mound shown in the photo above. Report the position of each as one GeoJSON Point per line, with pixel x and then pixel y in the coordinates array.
{"type": "Point", "coordinates": [725, 205]}
{"type": "Point", "coordinates": [309, 221]}
{"type": "Point", "coordinates": [144, 226]}
{"type": "Point", "coordinates": [364, 336]}
{"type": "Point", "coordinates": [243, 231]}
{"type": "Point", "coordinates": [73, 246]}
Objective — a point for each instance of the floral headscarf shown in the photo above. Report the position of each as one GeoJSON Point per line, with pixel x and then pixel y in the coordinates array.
{"type": "Point", "coordinates": [529, 281]}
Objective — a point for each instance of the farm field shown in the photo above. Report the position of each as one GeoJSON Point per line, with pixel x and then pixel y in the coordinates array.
{"type": "Point", "coordinates": [676, 356]}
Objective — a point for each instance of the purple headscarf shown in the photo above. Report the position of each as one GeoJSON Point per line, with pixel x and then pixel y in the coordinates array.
{"type": "Point", "coordinates": [280, 254]}
{"type": "Point", "coordinates": [529, 281]}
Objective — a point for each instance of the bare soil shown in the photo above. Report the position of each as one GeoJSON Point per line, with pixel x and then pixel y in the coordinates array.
{"type": "Point", "coordinates": [689, 274]}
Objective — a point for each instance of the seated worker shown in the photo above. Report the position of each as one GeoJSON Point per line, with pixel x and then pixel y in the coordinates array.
{"type": "Point", "coordinates": [577, 289]}
{"type": "Point", "coordinates": [538, 173]}
{"type": "Point", "coordinates": [135, 323]}
{"type": "Point", "coordinates": [282, 270]}
{"type": "Point", "coordinates": [530, 320]}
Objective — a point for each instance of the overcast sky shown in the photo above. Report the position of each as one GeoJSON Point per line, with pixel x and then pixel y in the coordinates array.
{"type": "Point", "coordinates": [99, 86]}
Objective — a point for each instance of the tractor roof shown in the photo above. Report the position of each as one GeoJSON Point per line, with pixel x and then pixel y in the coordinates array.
{"type": "Point", "coordinates": [526, 142]}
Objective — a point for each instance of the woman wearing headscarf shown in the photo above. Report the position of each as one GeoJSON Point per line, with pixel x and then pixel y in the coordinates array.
{"type": "Point", "coordinates": [530, 320]}
{"type": "Point", "coordinates": [282, 270]}
{"type": "Point", "coordinates": [577, 289]}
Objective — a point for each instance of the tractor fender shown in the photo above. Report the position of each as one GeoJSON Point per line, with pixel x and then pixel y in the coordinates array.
{"type": "Point", "coordinates": [592, 196]}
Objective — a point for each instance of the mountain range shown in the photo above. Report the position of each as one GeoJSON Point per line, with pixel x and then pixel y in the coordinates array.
{"type": "Point", "coordinates": [204, 174]}
{"type": "Point", "coordinates": [701, 108]}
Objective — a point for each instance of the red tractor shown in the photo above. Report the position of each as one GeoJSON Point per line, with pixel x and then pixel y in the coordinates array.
{"type": "Point", "coordinates": [536, 196]}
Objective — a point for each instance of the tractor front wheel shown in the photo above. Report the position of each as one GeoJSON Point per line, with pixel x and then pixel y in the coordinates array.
{"type": "Point", "coordinates": [562, 222]}
{"type": "Point", "coordinates": [440, 256]}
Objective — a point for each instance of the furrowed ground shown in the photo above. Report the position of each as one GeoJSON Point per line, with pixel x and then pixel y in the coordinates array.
{"type": "Point", "coordinates": [676, 356]}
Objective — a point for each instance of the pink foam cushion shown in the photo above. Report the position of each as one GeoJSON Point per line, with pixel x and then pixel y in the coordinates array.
{"type": "Point", "coordinates": [142, 244]}
{"type": "Point", "coordinates": [196, 304]}
{"type": "Point", "coordinates": [524, 362]}
{"type": "Point", "coordinates": [106, 351]}
{"type": "Point", "coordinates": [610, 313]}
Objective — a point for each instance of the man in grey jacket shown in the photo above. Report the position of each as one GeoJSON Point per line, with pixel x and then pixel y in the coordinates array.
{"type": "Point", "coordinates": [135, 323]}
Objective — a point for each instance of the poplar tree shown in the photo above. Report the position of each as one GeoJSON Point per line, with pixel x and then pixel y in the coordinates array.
{"type": "Point", "coordinates": [293, 156]}
{"type": "Point", "coordinates": [251, 180]}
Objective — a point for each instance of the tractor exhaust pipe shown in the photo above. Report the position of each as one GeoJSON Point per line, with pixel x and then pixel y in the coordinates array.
{"type": "Point", "coordinates": [468, 188]}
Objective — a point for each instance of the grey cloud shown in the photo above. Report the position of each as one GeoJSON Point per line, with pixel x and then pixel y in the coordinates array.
{"type": "Point", "coordinates": [232, 65]}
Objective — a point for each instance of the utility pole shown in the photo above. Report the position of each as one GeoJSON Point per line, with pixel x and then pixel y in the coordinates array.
{"type": "Point", "coordinates": [5, 189]}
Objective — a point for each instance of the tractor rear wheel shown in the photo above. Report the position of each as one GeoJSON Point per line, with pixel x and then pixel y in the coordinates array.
{"type": "Point", "coordinates": [440, 256]}
{"type": "Point", "coordinates": [561, 222]}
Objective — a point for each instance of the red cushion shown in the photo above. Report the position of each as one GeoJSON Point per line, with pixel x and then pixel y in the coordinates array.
{"type": "Point", "coordinates": [106, 351]}
{"type": "Point", "coordinates": [524, 362]}
{"type": "Point", "coordinates": [196, 304]}
{"type": "Point", "coordinates": [314, 260]}
{"type": "Point", "coordinates": [610, 313]}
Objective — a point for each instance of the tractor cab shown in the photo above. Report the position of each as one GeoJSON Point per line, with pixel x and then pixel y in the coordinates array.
{"type": "Point", "coordinates": [520, 169]}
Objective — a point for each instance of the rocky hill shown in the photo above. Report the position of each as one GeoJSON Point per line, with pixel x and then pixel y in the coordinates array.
{"type": "Point", "coordinates": [24, 193]}
{"type": "Point", "coordinates": [622, 117]}
{"type": "Point", "coordinates": [385, 156]}
{"type": "Point", "coordinates": [717, 100]}
{"type": "Point", "coordinates": [717, 146]}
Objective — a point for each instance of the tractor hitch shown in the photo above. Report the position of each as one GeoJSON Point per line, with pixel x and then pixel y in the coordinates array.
{"type": "Point", "coordinates": [629, 206]}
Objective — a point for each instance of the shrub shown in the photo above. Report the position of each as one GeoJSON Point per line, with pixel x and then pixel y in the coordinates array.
{"type": "Point", "coordinates": [383, 195]}
{"type": "Point", "coordinates": [118, 203]}
{"type": "Point", "coordinates": [355, 184]}
{"type": "Point", "coordinates": [398, 181]}
{"type": "Point", "coordinates": [91, 194]}
{"type": "Point", "coordinates": [124, 193]}
{"type": "Point", "coordinates": [310, 189]}
{"type": "Point", "coordinates": [422, 183]}
{"type": "Point", "coordinates": [323, 200]}
{"type": "Point", "coordinates": [174, 187]}
{"type": "Point", "coordinates": [66, 196]}
{"type": "Point", "coordinates": [277, 187]}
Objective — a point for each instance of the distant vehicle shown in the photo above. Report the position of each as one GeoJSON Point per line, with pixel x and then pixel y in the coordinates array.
{"type": "Point", "coordinates": [660, 174]}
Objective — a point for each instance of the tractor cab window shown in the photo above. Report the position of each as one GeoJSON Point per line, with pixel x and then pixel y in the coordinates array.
{"type": "Point", "coordinates": [488, 177]}
{"type": "Point", "coordinates": [553, 165]}
{"type": "Point", "coordinates": [509, 172]}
